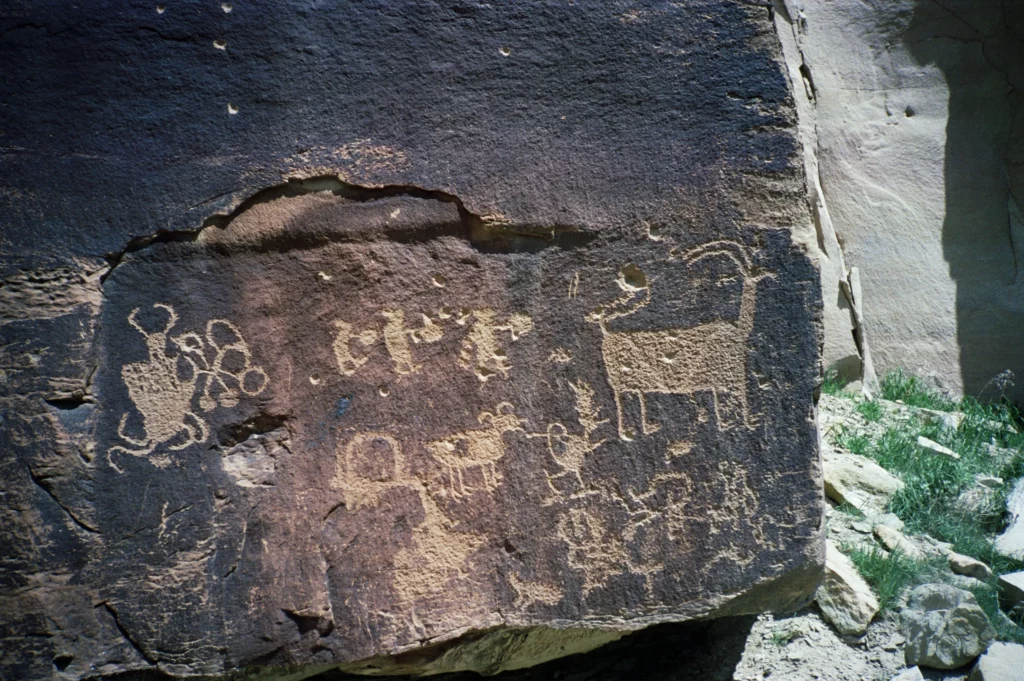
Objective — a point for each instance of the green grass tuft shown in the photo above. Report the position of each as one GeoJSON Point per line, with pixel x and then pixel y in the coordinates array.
{"type": "Point", "coordinates": [911, 390]}
{"type": "Point", "coordinates": [870, 410]}
{"type": "Point", "coordinates": [782, 636]}
{"type": "Point", "coordinates": [850, 510]}
{"type": "Point", "coordinates": [858, 444]}
{"type": "Point", "coordinates": [930, 502]}
{"type": "Point", "coordinates": [889, 575]}
{"type": "Point", "coordinates": [831, 384]}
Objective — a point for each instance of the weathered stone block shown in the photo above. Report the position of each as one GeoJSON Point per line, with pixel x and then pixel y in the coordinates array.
{"type": "Point", "coordinates": [429, 383]}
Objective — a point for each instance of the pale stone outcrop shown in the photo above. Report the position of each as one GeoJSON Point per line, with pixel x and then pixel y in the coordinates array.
{"type": "Point", "coordinates": [857, 480]}
{"type": "Point", "coordinates": [845, 599]}
{"type": "Point", "coordinates": [1001, 662]}
{"type": "Point", "coordinates": [969, 567]}
{"type": "Point", "coordinates": [911, 674]}
{"type": "Point", "coordinates": [1011, 542]}
{"type": "Point", "coordinates": [1011, 588]}
{"type": "Point", "coordinates": [913, 124]}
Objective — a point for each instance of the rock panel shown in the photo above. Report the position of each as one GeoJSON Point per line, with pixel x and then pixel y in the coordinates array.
{"type": "Point", "coordinates": [429, 385]}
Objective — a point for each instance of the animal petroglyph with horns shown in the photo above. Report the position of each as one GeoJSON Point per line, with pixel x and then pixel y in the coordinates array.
{"type": "Point", "coordinates": [709, 356]}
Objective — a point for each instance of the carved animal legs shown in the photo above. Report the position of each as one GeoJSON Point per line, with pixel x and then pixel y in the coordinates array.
{"type": "Point", "coordinates": [646, 427]}
{"type": "Point", "coordinates": [451, 480]}
{"type": "Point", "coordinates": [491, 484]}
{"type": "Point", "coordinates": [745, 418]}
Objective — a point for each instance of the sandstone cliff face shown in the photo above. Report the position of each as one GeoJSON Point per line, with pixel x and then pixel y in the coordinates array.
{"type": "Point", "coordinates": [913, 117]}
{"type": "Point", "coordinates": [448, 338]}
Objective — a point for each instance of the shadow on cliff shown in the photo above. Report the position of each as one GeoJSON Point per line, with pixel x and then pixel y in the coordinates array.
{"type": "Point", "coordinates": [974, 47]}
{"type": "Point", "coordinates": [709, 651]}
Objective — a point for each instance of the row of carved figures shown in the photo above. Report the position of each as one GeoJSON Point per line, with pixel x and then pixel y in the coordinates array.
{"type": "Point", "coordinates": [707, 357]}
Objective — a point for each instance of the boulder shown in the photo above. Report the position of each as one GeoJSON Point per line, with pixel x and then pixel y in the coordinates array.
{"type": "Point", "coordinates": [894, 540]}
{"type": "Point", "coordinates": [890, 520]}
{"type": "Point", "coordinates": [1001, 662]}
{"type": "Point", "coordinates": [1011, 542]}
{"type": "Point", "coordinates": [945, 627]}
{"type": "Point", "coordinates": [845, 599]}
{"type": "Point", "coordinates": [397, 340]}
{"type": "Point", "coordinates": [967, 566]}
{"type": "Point", "coordinates": [1011, 589]}
{"type": "Point", "coordinates": [858, 481]}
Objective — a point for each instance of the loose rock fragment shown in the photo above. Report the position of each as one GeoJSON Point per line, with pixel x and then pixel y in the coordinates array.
{"type": "Point", "coordinates": [945, 627]}
{"type": "Point", "coordinates": [949, 420]}
{"type": "Point", "coordinates": [895, 540]}
{"type": "Point", "coordinates": [858, 481]}
{"type": "Point", "coordinates": [970, 567]}
{"type": "Point", "coordinates": [934, 446]}
{"type": "Point", "coordinates": [890, 520]}
{"type": "Point", "coordinates": [1001, 662]}
{"type": "Point", "coordinates": [912, 674]}
{"type": "Point", "coordinates": [1011, 589]}
{"type": "Point", "coordinates": [989, 481]}
{"type": "Point", "coordinates": [845, 599]}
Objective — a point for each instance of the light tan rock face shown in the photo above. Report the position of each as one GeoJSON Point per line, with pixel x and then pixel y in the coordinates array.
{"type": "Point", "coordinates": [844, 597]}
{"type": "Point", "coordinates": [858, 481]}
{"type": "Point", "coordinates": [1011, 542]}
{"type": "Point", "coordinates": [1001, 662]}
{"type": "Point", "coordinates": [913, 119]}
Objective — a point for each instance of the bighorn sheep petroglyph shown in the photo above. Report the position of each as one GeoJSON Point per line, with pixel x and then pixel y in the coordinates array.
{"type": "Point", "coordinates": [481, 449]}
{"type": "Point", "coordinates": [711, 356]}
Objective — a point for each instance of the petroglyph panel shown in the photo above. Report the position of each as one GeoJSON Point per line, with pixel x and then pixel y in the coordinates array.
{"type": "Point", "coordinates": [355, 373]}
{"type": "Point", "coordinates": [436, 437]}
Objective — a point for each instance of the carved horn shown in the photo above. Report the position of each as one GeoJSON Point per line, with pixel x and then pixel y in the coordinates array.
{"type": "Point", "coordinates": [730, 249]}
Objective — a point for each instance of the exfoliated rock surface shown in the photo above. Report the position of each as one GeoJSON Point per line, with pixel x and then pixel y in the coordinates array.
{"type": "Point", "coordinates": [397, 341]}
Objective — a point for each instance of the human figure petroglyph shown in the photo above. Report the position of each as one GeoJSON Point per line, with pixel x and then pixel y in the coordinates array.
{"type": "Point", "coordinates": [163, 387]}
{"type": "Point", "coordinates": [481, 448]}
{"type": "Point", "coordinates": [348, 363]}
{"type": "Point", "coordinates": [570, 450]}
{"type": "Point", "coordinates": [666, 498]}
{"type": "Point", "coordinates": [397, 342]}
{"type": "Point", "coordinates": [430, 332]}
{"type": "Point", "coordinates": [738, 507]}
{"type": "Point", "coordinates": [368, 465]}
{"type": "Point", "coordinates": [709, 356]}
{"type": "Point", "coordinates": [481, 351]}
{"type": "Point", "coordinates": [397, 337]}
